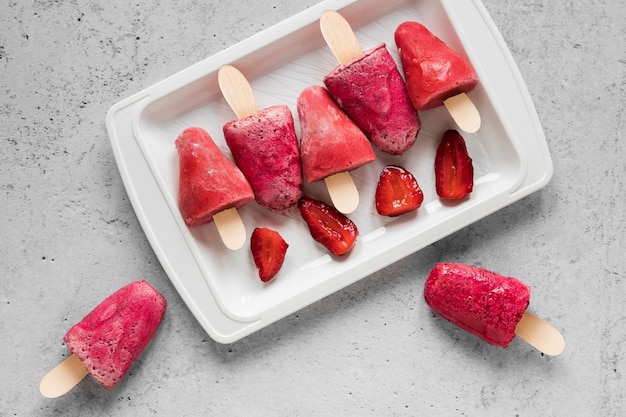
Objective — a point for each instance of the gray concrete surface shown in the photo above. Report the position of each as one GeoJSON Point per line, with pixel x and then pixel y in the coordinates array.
{"type": "Point", "coordinates": [69, 235]}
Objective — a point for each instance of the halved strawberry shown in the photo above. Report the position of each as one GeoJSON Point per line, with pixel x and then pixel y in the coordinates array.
{"type": "Point", "coordinates": [268, 250]}
{"type": "Point", "coordinates": [397, 192]}
{"type": "Point", "coordinates": [328, 226]}
{"type": "Point", "coordinates": [454, 172]}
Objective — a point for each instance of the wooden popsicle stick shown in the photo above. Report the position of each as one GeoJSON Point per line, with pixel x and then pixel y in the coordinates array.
{"type": "Point", "coordinates": [229, 225]}
{"type": "Point", "coordinates": [237, 91]}
{"type": "Point", "coordinates": [344, 45]}
{"type": "Point", "coordinates": [230, 228]}
{"type": "Point", "coordinates": [339, 36]}
{"type": "Point", "coordinates": [540, 334]}
{"type": "Point", "coordinates": [343, 192]}
{"type": "Point", "coordinates": [464, 112]}
{"type": "Point", "coordinates": [62, 378]}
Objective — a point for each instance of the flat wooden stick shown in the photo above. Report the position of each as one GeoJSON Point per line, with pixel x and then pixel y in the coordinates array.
{"type": "Point", "coordinates": [339, 36]}
{"type": "Point", "coordinates": [343, 192]}
{"type": "Point", "coordinates": [62, 378]}
{"type": "Point", "coordinates": [344, 45]}
{"type": "Point", "coordinates": [230, 228]}
{"type": "Point", "coordinates": [464, 112]}
{"type": "Point", "coordinates": [540, 334]}
{"type": "Point", "coordinates": [237, 91]}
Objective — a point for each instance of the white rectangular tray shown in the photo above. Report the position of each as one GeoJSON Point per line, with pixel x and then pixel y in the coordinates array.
{"type": "Point", "coordinates": [221, 287]}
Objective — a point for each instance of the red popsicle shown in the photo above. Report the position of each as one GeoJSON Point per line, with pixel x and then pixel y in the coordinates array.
{"type": "Point", "coordinates": [436, 74]}
{"type": "Point", "coordinates": [370, 89]}
{"type": "Point", "coordinates": [108, 340]}
{"type": "Point", "coordinates": [263, 143]}
{"type": "Point", "coordinates": [209, 182]}
{"type": "Point", "coordinates": [488, 305]}
{"type": "Point", "coordinates": [265, 147]}
{"type": "Point", "coordinates": [329, 142]}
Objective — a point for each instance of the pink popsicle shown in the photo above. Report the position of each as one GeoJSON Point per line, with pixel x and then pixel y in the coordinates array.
{"type": "Point", "coordinates": [484, 303]}
{"type": "Point", "coordinates": [113, 335]}
{"type": "Point", "coordinates": [265, 148]}
{"type": "Point", "coordinates": [208, 182]}
{"type": "Point", "coordinates": [433, 71]}
{"type": "Point", "coordinates": [330, 142]}
{"type": "Point", "coordinates": [370, 89]}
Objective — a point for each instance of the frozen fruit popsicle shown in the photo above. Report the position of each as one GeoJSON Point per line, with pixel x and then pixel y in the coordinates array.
{"type": "Point", "coordinates": [370, 89]}
{"type": "Point", "coordinates": [265, 148]}
{"type": "Point", "coordinates": [109, 339]}
{"type": "Point", "coordinates": [329, 142]}
{"type": "Point", "coordinates": [436, 74]}
{"type": "Point", "coordinates": [488, 305]}
{"type": "Point", "coordinates": [209, 182]}
{"type": "Point", "coordinates": [264, 145]}
{"type": "Point", "coordinates": [211, 187]}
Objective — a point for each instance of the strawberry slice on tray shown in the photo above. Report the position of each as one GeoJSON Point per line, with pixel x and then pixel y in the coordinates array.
{"type": "Point", "coordinates": [397, 192]}
{"type": "Point", "coordinates": [328, 226]}
{"type": "Point", "coordinates": [268, 250]}
{"type": "Point", "coordinates": [454, 171]}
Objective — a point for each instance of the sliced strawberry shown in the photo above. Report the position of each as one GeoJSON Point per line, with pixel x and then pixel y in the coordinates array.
{"type": "Point", "coordinates": [328, 226]}
{"type": "Point", "coordinates": [268, 249]}
{"type": "Point", "coordinates": [454, 172]}
{"type": "Point", "coordinates": [397, 192]}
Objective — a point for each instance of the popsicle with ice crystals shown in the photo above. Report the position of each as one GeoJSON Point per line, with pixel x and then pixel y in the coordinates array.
{"type": "Point", "coordinates": [210, 187]}
{"type": "Point", "coordinates": [108, 340]}
{"type": "Point", "coordinates": [265, 147]}
{"type": "Point", "coordinates": [436, 74]}
{"type": "Point", "coordinates": [488, 305]}
{"type": "Point", "coordinates": [370, 89]}
{"type": "Point", "coordinates": [330, 142]}
{"type": "Point", "coordinates": [263, 143]}
{"type": "Point", "coordinates": [208, 181]}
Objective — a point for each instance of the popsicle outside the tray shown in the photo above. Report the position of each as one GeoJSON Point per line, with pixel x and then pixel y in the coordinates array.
{"type": "Point", "coordinates": [369, 88]}
{"type": "Point", "coordinates": [330, 142]}
{"type": "Point", "coordinates": [436, 74]}
{"type": "Point", "coordinates": [108, 340]}
{"type": "Point", "coordinates": [211, 187]}
{"type": "Point", "coordinates": [488, 305]}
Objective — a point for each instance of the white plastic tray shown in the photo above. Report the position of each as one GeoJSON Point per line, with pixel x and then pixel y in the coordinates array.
{"type": "Point", "coordinates": [221, 287]}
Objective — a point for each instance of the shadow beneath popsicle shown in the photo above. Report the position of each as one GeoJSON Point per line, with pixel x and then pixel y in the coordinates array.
{"type": "Point", "coordinates": [538, 333]}
{"type": "Point", "coordinates": [518, 355]}
{"type": "Point", "coordinates": [94, 400]}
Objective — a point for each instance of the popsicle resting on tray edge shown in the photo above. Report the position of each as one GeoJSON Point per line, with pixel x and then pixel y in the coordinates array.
{"type": "Point", "coordinates": [437, 75]}
{"type": "Point", "coordinates": [108, 340]}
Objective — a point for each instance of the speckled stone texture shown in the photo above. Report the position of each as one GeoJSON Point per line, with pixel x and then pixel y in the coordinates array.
{"type": "Point", "coordinates": [70, 236]}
